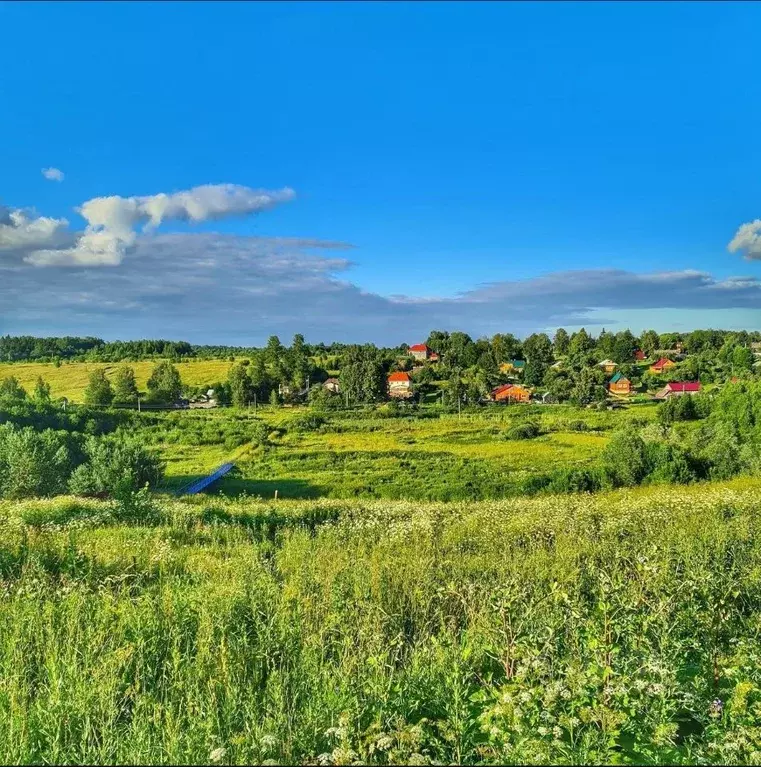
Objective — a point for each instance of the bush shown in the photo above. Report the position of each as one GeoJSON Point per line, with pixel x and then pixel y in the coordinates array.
{"type": "Point", "coordinates": [34, 463]}
{"type": "Point", "coordinates": [116, 468]}
{"type": "Point", "coordinates": [525, 430]}
{"type": "Point", "coordinates": [624, 457]}
{"type": "Point", "coordinates": [306, 422]}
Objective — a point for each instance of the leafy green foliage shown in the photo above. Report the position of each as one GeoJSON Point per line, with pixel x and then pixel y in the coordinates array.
{"type": "Point", "coordinates": [165, 384]}
{"type": "Point", "coordinates": [11, 390]}
{"type": "Point", "coordinates": [116, 467]}
{"type": "Point", "coordinates": [99, 391]}
{"type": "Point", "coordinates": [125, 386]}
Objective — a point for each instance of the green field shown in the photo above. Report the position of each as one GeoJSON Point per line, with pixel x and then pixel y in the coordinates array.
{"type": "Point", "coordinates": [568, 630]}
{"type": "Point", "coordinates": [438, 457]}
{"type": "Point", "coordinates": [70, 379]}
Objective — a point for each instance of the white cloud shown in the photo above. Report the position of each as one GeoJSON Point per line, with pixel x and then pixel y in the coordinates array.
{"type": "Point", "coordinates": [748, 238]}
{"type": "Point", "coordinates": [53, 174]}
{"type": "Point", "coordinates": [112, 221]}
{"type": "Point", "coordinates": [22, 230]}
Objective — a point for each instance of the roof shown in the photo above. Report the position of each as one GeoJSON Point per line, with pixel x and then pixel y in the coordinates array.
{"type": "Point", "coordinates": [662, 361]}
{"type": "Point", "coordinates": [683, 386]}
{"type": "Point", "coordinates": [618, 377]}
{"type": "Point", "coordinates": [399, 376]}
{"type": "Point", "coordinates": [606, 363]}
{"type": "Point", "coordinates": [419, 348]}
{"type": "Point", "coordinates": [500, 389]}
{"type": "Point", "coordinates": [518, 363]}
{"type": "Point", "coordinates": [331, 380]}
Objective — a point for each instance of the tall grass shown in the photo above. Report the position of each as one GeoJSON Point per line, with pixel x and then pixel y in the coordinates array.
{"type": "Point", "coordinates": [609, 629]}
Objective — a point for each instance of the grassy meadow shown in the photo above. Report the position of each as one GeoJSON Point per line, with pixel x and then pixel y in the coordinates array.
{"type": "Point", "coordinates": [617, 628]}
{"type": "Point", "coordinates": [381, 586]}
{"type": "Point", "coordinates": [362, 454]}
{"type": "Point", "coordinates": [70, 379]}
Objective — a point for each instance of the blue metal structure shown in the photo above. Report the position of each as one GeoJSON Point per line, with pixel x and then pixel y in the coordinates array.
{"type": "Point", "coordinates": [201, 484]}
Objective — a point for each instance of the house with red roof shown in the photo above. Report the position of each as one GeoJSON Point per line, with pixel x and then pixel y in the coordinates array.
{"type": "Point", "coordinates": [664, 363]}
{"type": "Point", "coordinates": [423, 352]}
{"type": "Point", "coordinates": [639, 355]}
{"type": "Point", "coordinates": [678, 389]}
{"type": "Point", "coordinates": [400, 385]}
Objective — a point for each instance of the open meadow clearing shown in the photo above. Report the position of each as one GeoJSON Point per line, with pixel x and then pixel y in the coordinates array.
{"type": "Point", "coordinates": [430, 455]}
{"type": "Point", "coordinates": [618, 628]}
{"type": "Point", "coordinates": [70, 378]}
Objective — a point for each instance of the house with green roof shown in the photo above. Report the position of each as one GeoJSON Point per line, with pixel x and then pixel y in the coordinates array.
{"type": "Point", "coordinates": [514, 366]}
{"type": "Point", "coordinates": [620, 384]}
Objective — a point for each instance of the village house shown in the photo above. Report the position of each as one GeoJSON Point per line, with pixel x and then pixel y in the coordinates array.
{"type": "Point", "coordinates": [204, 401]}
{"type": "Point", "coordinates": [333, 385]}
{"type": "Point", "coordinates": [510, 393]}
{"type": "Point", "coordinates": [513, 366]}
{"type": "Point", "coordinates": [619, 384]}
{"type": "Point", "coordinates": [400, 385]}
{"type": "Point", "coordinates": [678, 389]}
{"type": "Point", "coordinates": [423, 352]}
{"type": "Point", "coordinates": [755, 347]}
{"type": "Point", "coordinates": [664, 363]}
{"type": "Point", "coordinates": [639, 355]}
{"type": "Point", "coordinates": [608, 366]}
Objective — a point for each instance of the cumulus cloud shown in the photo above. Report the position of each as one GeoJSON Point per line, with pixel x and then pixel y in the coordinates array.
{"type": "Point", "coordinates": [24, 230]}
{"type": "Point", "coordinates": [53, 174]}
{"type": "Point", "coordinates": [112, 221]}
{"type": "Point", "coordinates": [748, 238]}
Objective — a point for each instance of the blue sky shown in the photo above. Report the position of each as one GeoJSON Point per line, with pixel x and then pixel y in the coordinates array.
{"type": "Point", "coordinates": [452, 145]}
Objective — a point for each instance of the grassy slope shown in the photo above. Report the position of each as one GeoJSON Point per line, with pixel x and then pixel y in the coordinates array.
{"type": "Point", "coordinates": [557, 630]}
{"type": "Point", "coordinates": [70, 380]}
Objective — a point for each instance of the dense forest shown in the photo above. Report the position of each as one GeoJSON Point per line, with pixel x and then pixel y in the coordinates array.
{"type": "Point", "coordinates": [617, 346]}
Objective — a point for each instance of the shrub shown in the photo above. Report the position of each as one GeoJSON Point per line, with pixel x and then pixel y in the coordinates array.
{"type": "Point", "coordinates": [115, 467]}
{"type": "Point", "coordinates": [34, 463]}
{"type": "Point", "coordinates": [524, 430]}
{"type": "Point", "coordinates": [306, 422]}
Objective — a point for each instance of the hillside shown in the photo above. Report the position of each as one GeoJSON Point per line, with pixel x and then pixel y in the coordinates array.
{"type": "Point", "coordinates": [590, 629]}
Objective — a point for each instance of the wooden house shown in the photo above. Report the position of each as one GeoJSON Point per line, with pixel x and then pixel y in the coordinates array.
{"type": "Point", "coordinates": [510, 393]}
{"type": "Point", "coordinates": [678, 389]}
{"type": "Point", "coordinates": [333, 385]}
{"type": "Point", "coordinates": [620, 385]}
{"type": "Point", "coordinates": [664, 363]}
{"type": "Point", "coordinates": [639, 355]}
{"type": "Point", "coordinates": [513, 366]}
{"type": "Point", "coordinates": [608, 366]}
{"type": "Point", "coordinates": [400, 385]}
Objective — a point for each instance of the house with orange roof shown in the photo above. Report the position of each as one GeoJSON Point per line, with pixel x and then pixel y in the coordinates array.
{"type": "Point", "coordinates": [510, 393]}
{"type": "Point", "coordinates": [400, 385]}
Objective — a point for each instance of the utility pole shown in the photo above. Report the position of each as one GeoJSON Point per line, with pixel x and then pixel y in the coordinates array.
{"type": "Point", "coordinates": [138, 404]}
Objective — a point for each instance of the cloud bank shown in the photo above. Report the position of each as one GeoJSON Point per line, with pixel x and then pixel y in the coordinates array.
{"type": "Point", "coordinates": [213, 288]}
{"type": "Point", "coordinates": [216, 288]}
